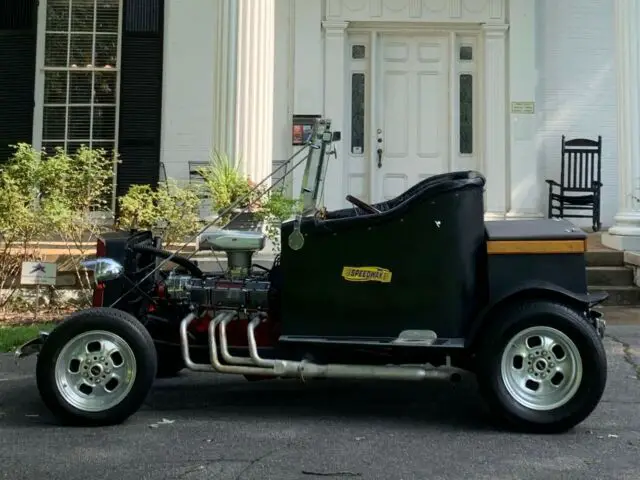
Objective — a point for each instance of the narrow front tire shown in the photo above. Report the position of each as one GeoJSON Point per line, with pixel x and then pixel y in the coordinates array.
{"type": "Point", "coordinates": [96, 367]}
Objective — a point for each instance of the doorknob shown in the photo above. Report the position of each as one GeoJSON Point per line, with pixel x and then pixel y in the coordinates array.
{"type": "Point", "coordinates": [380, 148]}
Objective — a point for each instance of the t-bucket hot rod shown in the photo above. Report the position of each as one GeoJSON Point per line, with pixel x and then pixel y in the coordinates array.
{"type": "Point", "coordinates": [417, 287]}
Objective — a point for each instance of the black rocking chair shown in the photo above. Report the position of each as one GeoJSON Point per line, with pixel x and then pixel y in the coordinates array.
{"type": "Point", "coordinates": [579, 187]}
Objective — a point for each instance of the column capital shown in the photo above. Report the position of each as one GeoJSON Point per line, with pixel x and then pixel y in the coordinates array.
{"type": "Point", "coordinates": [335, 26]}
{"type": "Point", "coordinates": [495, 30]}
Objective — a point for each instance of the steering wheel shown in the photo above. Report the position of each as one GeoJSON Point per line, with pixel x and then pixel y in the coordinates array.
{"type": "Point", "coordinates": [360, 204]}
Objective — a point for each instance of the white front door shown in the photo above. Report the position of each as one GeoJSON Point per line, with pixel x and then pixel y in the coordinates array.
{"type": "Point", "coordinates": [412, 120]}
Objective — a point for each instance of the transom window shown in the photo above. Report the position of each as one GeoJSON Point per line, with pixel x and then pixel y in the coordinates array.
{"type": "Point", "coordinates": [81, 63]}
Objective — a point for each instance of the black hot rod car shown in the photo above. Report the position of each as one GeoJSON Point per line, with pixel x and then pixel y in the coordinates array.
{"type": "Point", "coordinates": [418, 287]}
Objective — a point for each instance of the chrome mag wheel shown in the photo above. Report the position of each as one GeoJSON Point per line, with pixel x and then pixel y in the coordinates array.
{"type": "Point", "coordinates": [95, 370]}
{"type": "Point", "coordinates": [541, 368]}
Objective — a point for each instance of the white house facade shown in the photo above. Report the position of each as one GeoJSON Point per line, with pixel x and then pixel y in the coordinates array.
{"type": "Point", "coordinates": [417, 87]}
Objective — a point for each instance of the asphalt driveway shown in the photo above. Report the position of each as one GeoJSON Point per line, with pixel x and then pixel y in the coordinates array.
{"type": "Point", "coordinates": [201, 426]}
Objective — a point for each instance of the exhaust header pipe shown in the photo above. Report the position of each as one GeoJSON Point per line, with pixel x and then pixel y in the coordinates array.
{"type": "Point", "coordinates": [256, 365]}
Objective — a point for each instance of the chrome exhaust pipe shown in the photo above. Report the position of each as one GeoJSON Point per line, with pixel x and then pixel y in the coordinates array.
{"type": "Point", "coordinates": [304, 369]}
{"type": "Point", "coordinates": [224, 350]}
{"type": "Point", "coordinates": [184, 346]}
{"type": "Point", "coordinates": [292, 369]}
{"type": "Point", "coordinates": [253, 346]}
{"type": "Point", "coordinates": [237, 369]}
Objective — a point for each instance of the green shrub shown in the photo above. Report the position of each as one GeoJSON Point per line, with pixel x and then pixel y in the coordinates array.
{"type": "Point", "coordinates": [59, 193]}
{"type": "Point", "coordinates": [227, 185]}
{"type": "Point", "coordinates": [171, 210]}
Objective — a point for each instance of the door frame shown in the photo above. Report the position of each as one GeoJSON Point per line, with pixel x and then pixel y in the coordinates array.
{"type": "Point", "coordinates": [375, 33]}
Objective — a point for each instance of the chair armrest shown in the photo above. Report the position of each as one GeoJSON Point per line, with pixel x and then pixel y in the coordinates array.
{"type": "Point", "coordinates": [596, 184]}
{"type": "Point", "coordinates": [553, 183]}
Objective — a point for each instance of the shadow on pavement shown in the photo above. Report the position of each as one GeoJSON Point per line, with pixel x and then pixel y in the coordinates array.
{"type": "Point", "coordinates": [197, 397]}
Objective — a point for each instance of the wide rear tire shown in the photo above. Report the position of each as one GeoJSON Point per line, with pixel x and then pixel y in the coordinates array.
{"type": "Point", "coordinates": [542, 368]}
{"type": "Point", "coordinates": [96, 368]}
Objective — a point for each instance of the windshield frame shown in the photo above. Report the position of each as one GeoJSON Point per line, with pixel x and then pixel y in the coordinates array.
{"type": "Point", "coordinates": [316, 165]}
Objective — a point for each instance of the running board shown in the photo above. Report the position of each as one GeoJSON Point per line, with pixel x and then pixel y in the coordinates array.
{"type": "Point", "coordinates": [255, 365]}
{"type": "Point", "coordinates": [375, 342]}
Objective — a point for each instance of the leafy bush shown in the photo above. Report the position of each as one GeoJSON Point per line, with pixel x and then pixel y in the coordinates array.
{"type": "Point", "coordinates": [227, 185]}
{"type": "Point", "coordinates": [171, 210]}
{"type": "Point", "coordinates": [42, 194]}
{"type": "Point", "coordinates": [277, 208]}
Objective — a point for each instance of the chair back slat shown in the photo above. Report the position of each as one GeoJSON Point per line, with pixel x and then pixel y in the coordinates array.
{"type": "Point", "coordinates": [581, 163]}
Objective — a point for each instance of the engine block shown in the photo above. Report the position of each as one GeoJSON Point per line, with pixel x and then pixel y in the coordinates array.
{"type": "Point", "coordinates": [250, 293]}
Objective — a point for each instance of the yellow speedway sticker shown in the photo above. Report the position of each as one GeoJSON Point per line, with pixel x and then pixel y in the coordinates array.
{"type": "Point", "coordinates": [366, 274]}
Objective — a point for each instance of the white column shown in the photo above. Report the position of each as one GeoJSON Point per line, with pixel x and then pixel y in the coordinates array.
{"type": "Point", "coordinates": [334, 103]}
{"type": "Point", "coordinates": [224, 81]}
{"type": "Point", "coordinates": [495, 154]}
{"type": "Point", "coordinates": [254, 87]}
{"type": "Point", "coordinates": [524, 184]}
{"type": "Point", "coordinates": [625, 234]}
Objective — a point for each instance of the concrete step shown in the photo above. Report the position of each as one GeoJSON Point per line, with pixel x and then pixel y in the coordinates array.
{"type": "Point", "coordinates": [605, 258]}
{"type": "Point", "coordinates": [619, 295]}
{"type": "Point", "coordinates": [610, 276]}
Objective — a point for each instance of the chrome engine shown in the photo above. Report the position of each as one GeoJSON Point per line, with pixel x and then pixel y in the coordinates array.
{"type": "Point", "coordinates": [238, 287]}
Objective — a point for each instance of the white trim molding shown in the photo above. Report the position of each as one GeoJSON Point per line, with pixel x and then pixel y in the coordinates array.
{"type": "Point", "coordinates": [459, 11]}
{"type": "Point", "coordinates": [524, 177]}
{"type": "Point", "coordinates": [625, 233]}
{"type": "Point", "coordinates": [495, 124]}
{"type": "Point", "coordinates": [334, 98]}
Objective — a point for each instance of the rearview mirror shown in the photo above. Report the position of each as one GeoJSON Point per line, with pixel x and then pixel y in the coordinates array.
{"type": "Point", "coordinates": [104, 269]}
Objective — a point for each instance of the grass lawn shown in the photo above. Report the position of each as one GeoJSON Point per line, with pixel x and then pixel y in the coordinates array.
{"type": "Point", "coordinates": [12, 336]}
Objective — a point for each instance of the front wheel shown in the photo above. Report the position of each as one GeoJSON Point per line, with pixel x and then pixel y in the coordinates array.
{"type": "Point", "coordinates": [96, 368]}
{"type": "Point", "coordinates": [541, 367]}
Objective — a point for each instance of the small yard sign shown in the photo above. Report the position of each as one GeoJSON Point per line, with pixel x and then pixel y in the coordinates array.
{"type": "Point", "coordinates": [38, 273]}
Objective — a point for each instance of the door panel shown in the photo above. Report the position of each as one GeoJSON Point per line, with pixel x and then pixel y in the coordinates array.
{"type": "Point", "coordinates": [413, 104]}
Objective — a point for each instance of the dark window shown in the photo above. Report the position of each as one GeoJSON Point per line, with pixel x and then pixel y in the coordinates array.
{"type": "Point", "coordinates": [81, 67]}
{"type": "Point", "coordinates": [466, 53]}
{"type": "Point", "coordinates": [466, 114]}
{"type": "Point", "coordinates": [357, 112]}
{"type": "Point", "coordinates": [358, 52]}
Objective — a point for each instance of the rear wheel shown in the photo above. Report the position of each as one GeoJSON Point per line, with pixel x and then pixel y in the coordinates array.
{"type": "Point", "coordinates": [96, 367]}
{"type": "Point", "coordinates": [542, 367]}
